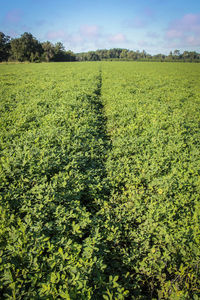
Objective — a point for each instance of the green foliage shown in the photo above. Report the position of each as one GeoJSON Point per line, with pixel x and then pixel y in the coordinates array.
{"type": "Point", "coordinates": [4, 47]}
{"type": "Point", "coordinates": [26, 48]}
{"type": "Point", "coordinates": [128, 55]}
{"type": "Point", "coordinates": [99, 181]}
{"type": "Point", "coordinates": [153, 122]}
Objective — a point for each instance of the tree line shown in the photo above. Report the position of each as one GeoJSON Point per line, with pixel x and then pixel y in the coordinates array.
{"type": "Point", "coordinates": [125, 54]}
{"type": "Point", "coordinates": [28, 48]}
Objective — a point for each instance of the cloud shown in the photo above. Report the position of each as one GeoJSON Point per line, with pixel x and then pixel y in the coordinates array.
{"type": "Point", "coordinates": [95, 40]}
{"type": "Point", "coordinates": [184, 32]}
{"type": "Point", "coordinates": [13, 16]}
{"type": "Point", "coordinates": [149, 13]}
{"type": "Point", "coordinates": [152, 35]}
{"type": "Point", "coordinates": [174, 33]}
{"type": "Point", "coordinates": [86, 37]}
{"type": "Point", "coordinates": [76, 38]}
{"type": "Point", "coordinates": [189, 22]}
{"type": "Point", "coordinates": [40, 22]}
{"type": "Point", "coordinates": [90, 31]}
{"type": "Point", "coordinates": [143, 20]}
{"type": "Point", "coordinates": [13, 21]}
{"type": "Point", "coordinates": [144, 43]}
{"type": "Point", "coordinates": [117, 38]}
{"type": "Point", "coordinates": [56, 35]}
{"type": "Point", "coordinates": [137, 22]}
{"type": "Point", "coordinates": [193, 41]}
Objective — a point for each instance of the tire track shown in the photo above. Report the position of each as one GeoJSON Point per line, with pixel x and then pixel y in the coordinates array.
{"type": "Point", "coordinates": [96, 162]}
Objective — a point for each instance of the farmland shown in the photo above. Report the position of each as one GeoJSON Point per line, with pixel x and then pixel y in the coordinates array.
{"type": "Point", "coordinates": [100, 181]}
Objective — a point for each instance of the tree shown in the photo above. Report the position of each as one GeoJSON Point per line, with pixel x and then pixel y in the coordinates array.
{"type": "Point", "coordinates": [26, 48]}
{"type": "Point", "coordinates": [159, 57]}
{"type": "Point", "coordinates": [102, 54]}
{"type": "Point", "coordinates": [4, 47]}
{"type": "Point", "coordinates": [93, 56]}
{"type": "Point", "coordinates": [124, 54]}
{"type": "Point", "coordinates": [185, 55]}
{"type": "Point", "coordinates": [48, 51]}
{"type": "Point", "coordinates": [177, 53]}
{"type": "Point", "coordinates": [59, 52]}
{"type": "Point", "coordinates": [70, 56]}
{"type": "Point", "coordinates": [143, 54]}
{"type": "Point", "coordinates": [170, 57]}
{"type": "Point", "coordinates": [132, 55]}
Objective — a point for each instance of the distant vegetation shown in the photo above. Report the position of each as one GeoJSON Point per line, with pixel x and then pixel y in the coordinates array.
{"type": "Point", "coordinates": [28, 48]}
{"type": "Point", "coordinates": [125, 54]}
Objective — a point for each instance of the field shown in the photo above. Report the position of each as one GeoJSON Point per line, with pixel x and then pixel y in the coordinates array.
{"type": "Point", "coordinates": [100, 181]}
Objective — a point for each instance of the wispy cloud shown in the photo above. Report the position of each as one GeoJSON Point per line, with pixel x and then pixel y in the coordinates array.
{"type": "Point", "coordinates": [149, 13]}
{"type": "Point", "coordinates": [13, 16]}
{"type": "Point", "coordinates": [143, 20]}
{"type": "Point", "coordinates": [117, 38]}
{"type": "Point", "coordinates": [184, 32]}
{"type": "Point", "coordinates": [56, 35]}
{"type": "Point", "coordinates": [40, 22]}
{"type": "Point", "coordinates": [144, 43]}
{"type": "Point", "coordinates": [137, 22]}
{"type": "Point", "coordinates": [13, 20]}
{"type": "Point", "coordinates": [86, 37]}
{"type": "Point", "coordinates": [152, 35]}
{"type": "Point", "coordinates": [90, 31]}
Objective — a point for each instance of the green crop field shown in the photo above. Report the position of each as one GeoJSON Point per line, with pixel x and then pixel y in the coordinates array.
{"type": "Point", "coordinates": [100, 181]}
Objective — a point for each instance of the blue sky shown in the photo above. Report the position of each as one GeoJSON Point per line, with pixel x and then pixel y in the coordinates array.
{"type": "Point", "coordinates": [152, 25]}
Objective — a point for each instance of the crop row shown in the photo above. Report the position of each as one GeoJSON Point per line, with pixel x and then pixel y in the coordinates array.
{"type": "Point", "coordinates": [53, 148]}
{"type": "Point", "coordinates": [153, 121]}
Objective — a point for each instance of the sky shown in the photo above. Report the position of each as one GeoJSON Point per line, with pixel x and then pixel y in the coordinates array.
{"type": "Point", "coordinates": [156, 26]}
